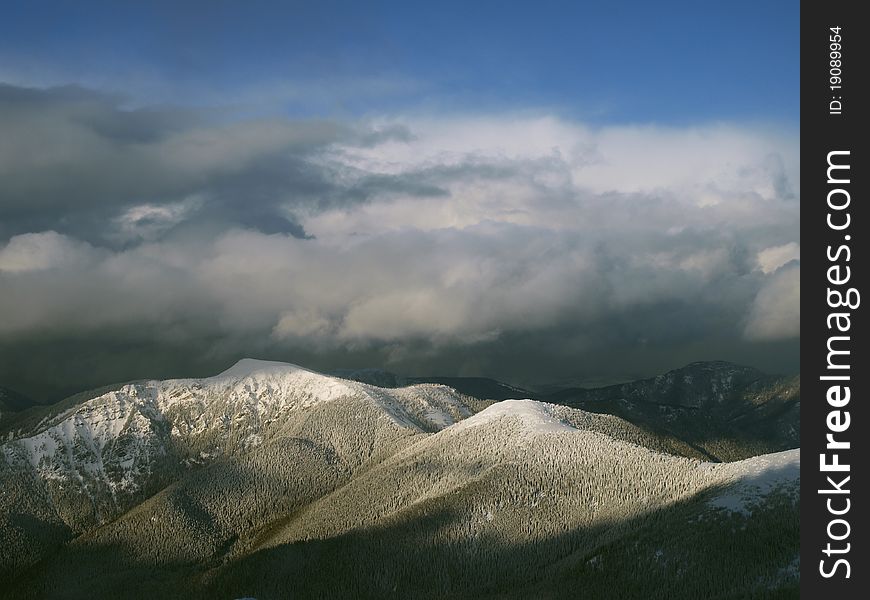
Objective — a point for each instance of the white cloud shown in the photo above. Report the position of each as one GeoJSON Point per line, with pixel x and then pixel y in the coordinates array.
{"type": "Point", "coordinates": [776, 311]}
{"type": "Point", "coordinates": [459, 232]}
{"type": "Point", "coordinates": [45, 250]}
{"type": "Point", "coordinates": [556, 174]}
{"type": "Point", "coordinates": [149, 221]}
{"type": "Point", "coordinates": [772, 258]}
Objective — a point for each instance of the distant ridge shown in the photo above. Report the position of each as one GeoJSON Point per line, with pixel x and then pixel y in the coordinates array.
{"type": "Point", "coordinates": [726, 411]}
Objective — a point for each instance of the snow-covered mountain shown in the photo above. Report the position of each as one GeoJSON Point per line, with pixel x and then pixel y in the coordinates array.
{"type": "Point", "coordinates": [713, 410]}
{"type": "Point", "coordinates": [108, 448]}
{"type": "Point", "coordinates": [270, 477]}
{"type": "Point", "coordinates": [479, 387]}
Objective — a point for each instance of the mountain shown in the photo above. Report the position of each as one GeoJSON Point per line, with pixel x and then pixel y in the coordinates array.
{"type": "Point", "coordinates": [83, 464]}
{"type": "Point", "coordinates": [724, 411]}
{"type": "Point", "coordinates": [479, 387]}
{"type": "Point", "coordinates": [12, 402]}
{"type": "Point", "coordinates": [708, 410]}
{"type": "Point", "coordinates": [273, 481]}
{"type": "Point", "coordinates": [378, 377]}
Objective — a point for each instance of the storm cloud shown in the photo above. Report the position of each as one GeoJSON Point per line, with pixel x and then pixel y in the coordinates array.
{"type": "Point", "coordinates": [162, 241]}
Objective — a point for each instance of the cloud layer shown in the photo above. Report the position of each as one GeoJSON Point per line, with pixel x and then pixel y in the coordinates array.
{"type": "Point", "coordinates": [474, 243]}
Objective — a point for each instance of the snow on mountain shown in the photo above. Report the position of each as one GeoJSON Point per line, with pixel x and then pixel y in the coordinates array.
{"type": "Point", "coordinates": [115, 441]}
{"type": "Point", "coordinates": [536, 417]}
{"type": "Point", "coordinates": [248, 366]}
{"type": "Point", "coordinates": [752, 479]}
{"type": "Point", "coordinates": [510, 464]}
{"type": "Point", "coordinates": [256, 470]}
{"type": "Point", "coordinates": [260, 384]}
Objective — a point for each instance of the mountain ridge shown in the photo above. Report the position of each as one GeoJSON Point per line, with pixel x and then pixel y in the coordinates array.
{"type": "Point", "coordinates": [726, 411]}
{"type": "Point", "coordinates": [232, 483]}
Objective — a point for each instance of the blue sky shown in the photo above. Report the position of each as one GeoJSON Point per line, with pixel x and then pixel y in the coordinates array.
{"type": "Point", "coordinates": [663, 62]}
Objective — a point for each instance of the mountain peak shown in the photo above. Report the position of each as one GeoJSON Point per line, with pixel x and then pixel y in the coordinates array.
{"type": "Point", "coordinates": [249, 366]}
{"type": "Point", "coordinates": [536, 417]}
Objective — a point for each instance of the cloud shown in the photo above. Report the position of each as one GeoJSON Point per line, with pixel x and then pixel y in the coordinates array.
{"type": "Point", "coordinates": [771, 259]}
{"type": "Point", "coordinates": [148, 222]}
{"type": "Point", "coordinates": [74, 160]}
{"type": "Point", "coordinates": [513, 243]}
{"type": "Point", "coordinates": [45, 250]}
{"type": "Point", "coordinates": [775, 312]}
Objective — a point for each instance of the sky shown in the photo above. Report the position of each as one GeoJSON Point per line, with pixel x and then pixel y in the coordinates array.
{"type": "Point", "coordinates": [548, 191]}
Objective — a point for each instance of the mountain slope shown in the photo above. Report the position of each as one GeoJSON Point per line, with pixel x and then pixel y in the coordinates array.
{"type": "Point", "coordinates": [88, 463]}
{"type": "Point", "coordinates": [273, 481]}
{"type": "Point", "coordinates": [11, 402]}
{"type": "Point", "coordinates": [712, 410]}
{"type": "Point", "coordinates": [532, 500]}
{"type": "Point", "coordinates": [478, 387]}
{"type": "Point", "coordinates": [524, 499]}
{"type": "Point", "coordinates": [724, 411]}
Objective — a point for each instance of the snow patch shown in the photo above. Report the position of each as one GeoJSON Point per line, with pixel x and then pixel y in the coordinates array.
{"type": "Point", "coordinates": [252, 440]}
{"type": "Point", "coordinates": [754, 478]}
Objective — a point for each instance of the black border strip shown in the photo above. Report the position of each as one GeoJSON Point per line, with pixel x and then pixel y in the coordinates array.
{"type": "Point", "coordinates": [828, 127]}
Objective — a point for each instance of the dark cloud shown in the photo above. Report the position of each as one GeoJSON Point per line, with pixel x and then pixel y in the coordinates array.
{"type": "Point", "coordinates": [72, 160]}
{"type": "Point", "coordinates": [162, 242]}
